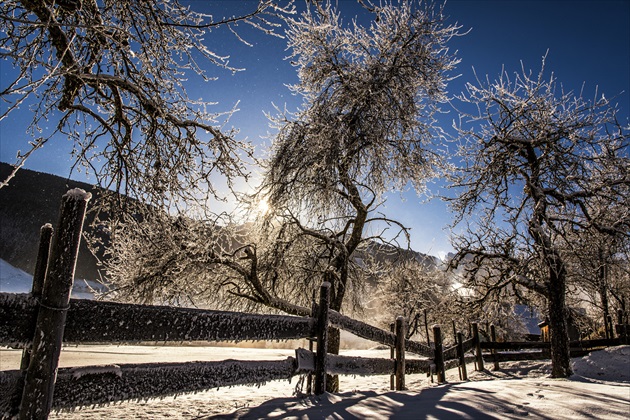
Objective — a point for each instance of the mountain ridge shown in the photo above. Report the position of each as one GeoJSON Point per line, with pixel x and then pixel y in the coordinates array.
{"type": "Point", "coordinates": [33, 198]}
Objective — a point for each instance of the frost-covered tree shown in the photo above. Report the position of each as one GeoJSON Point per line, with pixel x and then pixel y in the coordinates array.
{"type": "Point", "coordinates": [366, 126]}
{"type": "Point", "coordinates": [219, 263]}
{"type": "Point", "coordinates": [416, 289]}
{"type": "Point", "coordinates": [486, 295]}
{"type": "Point", "coordinates": [534, 160]}
{"type": "Point", "coordinates": [428, 294]}
{"type": "Point", "coordinates": [598, 264]}
{"type": "Point", "coordinates": [111, 76]}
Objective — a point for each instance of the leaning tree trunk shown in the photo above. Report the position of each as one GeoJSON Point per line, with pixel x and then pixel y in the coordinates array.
{"type": "Point", "coordinates": [603, 292]}
{"type": "Point", "coordinates": [560, 345]}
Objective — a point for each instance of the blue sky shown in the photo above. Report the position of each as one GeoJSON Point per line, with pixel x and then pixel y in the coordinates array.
{"type": "Point", "coordinates": [588, 44]}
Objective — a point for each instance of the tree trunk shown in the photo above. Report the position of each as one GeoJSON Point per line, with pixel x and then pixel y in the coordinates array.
{"type": "Point", "coordinates": [603, 292]}
{"type": "Point", "coordinates": [560, 350]}
{"type": "Point", "coordinates": [556, 283]}
{"type": "Point", "coordinates": [337, 292]}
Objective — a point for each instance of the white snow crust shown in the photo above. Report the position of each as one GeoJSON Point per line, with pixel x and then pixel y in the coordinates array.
{"type": "Point", "coordinates": [79, 372]}
{"type": "Point", "coordinates": [78, 194]}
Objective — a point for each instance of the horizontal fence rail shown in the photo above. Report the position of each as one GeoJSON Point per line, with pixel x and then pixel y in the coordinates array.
{"type": "Point", "coordinates": [345, 365]}
{"type": "Point", "coordinates": [469, 344]}
{"type": "Point", "coordinates": [450, 353]}
{"type": "Point", "coordinates": [361, 329]}
{"type": "Point", "coordinates": [517, 356]}
{"type": "Point", "coordinates": [98, 322]}
{"type": "Point", "coordinates": [574, 345]}
{"type": "Point", "coordinates": [84, 386]}
{"type": "Point", "coordinates": [369, 332]}
{"type": "Point", "coordinates": [415, 366]}
{"type": "Point", "coordinates": [514, 345]}
{"type": "Point", "coordinates": [453, 363]}
{"type": "Point", "coordinates": [419, 349]}
{"type": "Point", "coordinates": [597, 343]}
{"type": "Point", "coordinates": [515, 349]}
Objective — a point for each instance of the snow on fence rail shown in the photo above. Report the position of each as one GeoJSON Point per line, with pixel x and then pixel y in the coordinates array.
{"type": "Point", "coordinates": [86, 386]}
{"type": "Point", "coordinates": [375, 334]}
{"type": "Point", "coordinates": [89, 321]}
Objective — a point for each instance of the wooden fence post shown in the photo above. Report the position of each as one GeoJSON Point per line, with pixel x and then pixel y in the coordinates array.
{"type": "Point", "coordinates": [493, 338]}
{"type": "Point", "coordinates": [392, 355]}
{"type": "Point", "coordinates": [439, 355]}
{"type": "Point", "coordinates": [426, 328]}
{"type": "Point", "coordinates": [41, 264]}
{"type": "Point", "coordinates": [462, 359]}
{"type": "Point", "coordinates": [45, 234]}
{"type": "Point", "coordinates": [322, 338]}
{"type": "Point", "coordinates": [477, 338]}
{"type": "Point", "coordinates": [40, 378]}
{"type": "Point", "coordinates": [400, 331]}
{"type": "Point", "coordinates": [39, 275]}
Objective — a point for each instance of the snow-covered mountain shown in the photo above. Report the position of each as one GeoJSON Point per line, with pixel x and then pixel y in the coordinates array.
{"type": "Point", "coordinates": [14, 280]}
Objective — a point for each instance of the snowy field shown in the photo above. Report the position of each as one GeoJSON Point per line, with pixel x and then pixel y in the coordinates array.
{"type": "Point", "coordinates": [600, 389]}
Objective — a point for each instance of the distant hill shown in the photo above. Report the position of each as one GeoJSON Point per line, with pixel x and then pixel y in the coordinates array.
{"type": "Point", "coordinates": [29, 201]}
{"type": "Point", "coordinates": [389, 253]}
{"type": "Point", "coordinates": [33, 198]}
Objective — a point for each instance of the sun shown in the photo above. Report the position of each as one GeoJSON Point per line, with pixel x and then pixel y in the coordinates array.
{"type": "Point", "coordinates": [262, 207]}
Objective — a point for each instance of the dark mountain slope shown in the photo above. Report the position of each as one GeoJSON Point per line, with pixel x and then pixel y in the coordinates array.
{"type": "Point", "coordinates": [29, 201]}
{"type": "Point", "coordinates": [33, 198]}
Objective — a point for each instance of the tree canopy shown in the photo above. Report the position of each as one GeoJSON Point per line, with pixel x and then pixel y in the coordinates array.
{"type": "Point", "coordinates": [111, 76]}
{"type": "Point", "coordinates": [538, 166]}
{"type": "Point", "coordinates": [369, 98]}
{"type": "Point", "coordinates": [366, 125]}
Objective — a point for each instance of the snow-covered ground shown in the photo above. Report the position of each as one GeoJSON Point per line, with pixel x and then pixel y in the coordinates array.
{"type": "Point", "coordinates": [600, 389]}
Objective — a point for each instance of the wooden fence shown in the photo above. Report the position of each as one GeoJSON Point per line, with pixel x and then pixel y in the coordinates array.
{"type": "Point", "coordinates": [528, 350]}
{"type": "Point", "coordinates": [41, 321]}
{"type": "Point", "coordinates": [90, 322]}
